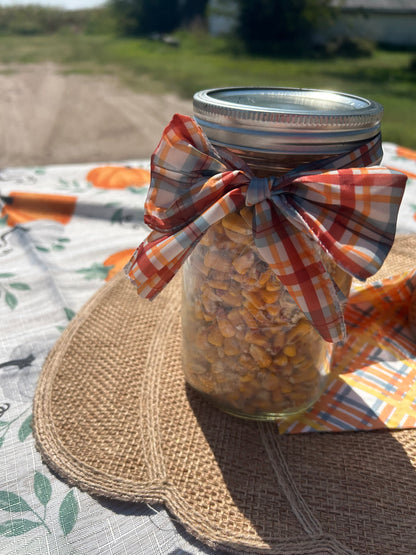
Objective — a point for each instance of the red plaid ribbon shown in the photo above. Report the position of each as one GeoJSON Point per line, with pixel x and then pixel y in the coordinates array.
{"type": "Point", "coordinates": [347, 210]}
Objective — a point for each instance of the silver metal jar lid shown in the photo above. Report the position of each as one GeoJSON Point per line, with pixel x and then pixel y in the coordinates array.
{"type": "Point", "coordinates": [286, 120]}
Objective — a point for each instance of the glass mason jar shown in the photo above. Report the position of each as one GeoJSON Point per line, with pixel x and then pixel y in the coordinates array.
{"type": "Point", "coordinates": [246, 344]}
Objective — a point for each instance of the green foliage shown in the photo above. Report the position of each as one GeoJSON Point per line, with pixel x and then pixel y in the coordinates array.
{"type": "Point", "coordinates": [148, 17]}
{"type": "Point", "coordinates": [38, 20]}
{"type": "Point", "coordinates": [272, 27]}
{"type": "Point", "coordinates": [144, 17]}
{"type": "Point", "coordinates": [349, 47]}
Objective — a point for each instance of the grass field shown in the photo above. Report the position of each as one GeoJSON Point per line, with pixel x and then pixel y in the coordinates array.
{"type": "Point", "coordinates": [202, 62]}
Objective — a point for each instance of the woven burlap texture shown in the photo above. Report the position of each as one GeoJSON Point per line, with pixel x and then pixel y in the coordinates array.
{"type": "Point", "coordinates": [113, 416]}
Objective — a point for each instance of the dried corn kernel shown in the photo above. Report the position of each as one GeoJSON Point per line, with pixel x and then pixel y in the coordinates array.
{"type": "Point", "coordinates": [244, 262]}
{"type": "Point", "coordinates": [302, 328]}
{"type": "Point", "coordinates": [260, 355]}
{"type": "Point", "coordinates": [269, 297]}
{"type": "Point", "coordinates": [208, 238]}
{"type": "Point", "coordinates": [199, 264]}
{"type": "Point", "coordinates": [231, 299]}
{"type": "Point", "coordinates": [248, 318]}
{"type": "Point", "coordinates": [286, 387]}
{"type": "Point", "coordinates": [216, 284]}
{"type": "Point", "coordinates": [215, 337]}
{"type": "Point", "coordinates": [273, 284]}
{"type": "Point", "coordinates": [246, 361]}
{"type": "Point", "coordinates": [218, 261]}
{"type": "Point", "coordinates": [236, 223]}
{"type": "Point", "coordinates": [238, 238]}
{"type": "Point", "coordinates": [235, 317]}
{"type": "Point", "coordinates": [231, 346]}
{"type": "Point", "coordinates": [278, 339]}
{"type": "Point", "coordinates": [256, 337]}
{"type": "Point", "coordinates": [289, 350]}
{"type": "Point", "coordinates": [273, 309]}
{"type": "Point", "coordinates": [281, 360]}
{"type": "Point", "coordinates": [226, 328]}
{"type": "Point", "coordinates": [253, 298]}
{"type": "Point", "coordinates": [264, 278]}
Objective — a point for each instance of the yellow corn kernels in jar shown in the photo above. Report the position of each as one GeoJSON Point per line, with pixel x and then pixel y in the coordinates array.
{"type": "Point", "coordinates": [246, 343]}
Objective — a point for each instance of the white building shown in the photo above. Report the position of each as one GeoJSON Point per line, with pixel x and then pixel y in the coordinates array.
{"type": "Point", "coordinates": [222, 16]}
{"type": "Point", "coordinates": [391, 22]}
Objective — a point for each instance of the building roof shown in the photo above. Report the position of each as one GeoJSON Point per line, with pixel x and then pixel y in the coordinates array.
{"type": "Point", "coordinates": [388, 6]}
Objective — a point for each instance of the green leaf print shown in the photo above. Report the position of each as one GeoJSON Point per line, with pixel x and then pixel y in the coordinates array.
{"type": "Point", "coordinates": [17, 527]}
{"type": "Point", "coordinates": [1, 441]}
{"type": "Point", "coordinates": [117, 217]}
{"type": "Point", "coordinates": [68, 513]}
{"type": "Point", "coordinates": [11, 300]}
{"type": "Point", "coordinates": [25, 429]}
{"type": "Point", "coordinates": [69, 313]}
{"type": "Point", "coordinates": [96, 271]}
{"type": "Point", "coordinates": [43, 488]}
{"type": "Point", "coordinates": [20, 286]}
{"type": "Point", "coordinates": [3, 220]}
{"type": "Point", "coordinates": [13, 503]}
{"type": "Point", "coordinates": [137, 190]}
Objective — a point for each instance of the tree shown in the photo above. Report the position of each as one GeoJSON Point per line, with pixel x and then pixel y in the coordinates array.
{"type": "Point", "coordinates": [191, 10]}
{"type": "Point", "coordinates": [144, 17]}
{"type": "Point", "coordinates": [279, 26]}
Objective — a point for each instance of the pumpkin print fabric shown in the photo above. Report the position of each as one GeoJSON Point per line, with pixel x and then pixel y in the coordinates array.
{"type": "Point", "coordinates": [64, 231]}
{"type": "Point", "coordinates": [118, 177]}
{"type": "Point", "coordinates": [21, 207]}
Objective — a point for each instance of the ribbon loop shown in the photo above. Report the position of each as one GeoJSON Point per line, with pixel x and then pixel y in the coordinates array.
{"type": "Point", "coordinates": [348, 212]}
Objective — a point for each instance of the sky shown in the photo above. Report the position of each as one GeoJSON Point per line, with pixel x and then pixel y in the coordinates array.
{"type": "Point", "coordinates": [67, 4]}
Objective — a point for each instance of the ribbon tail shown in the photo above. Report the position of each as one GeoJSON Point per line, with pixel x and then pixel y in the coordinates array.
{"type": "Point", "coordinates": [296, 260]}
{"type": "Point", "coordinates": [150, 273]}
{"type": "Point", "coordinates": [160, 256]}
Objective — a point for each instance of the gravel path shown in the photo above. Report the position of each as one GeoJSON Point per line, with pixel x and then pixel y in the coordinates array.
{"type": "Point", "coordinates": [49, 117]}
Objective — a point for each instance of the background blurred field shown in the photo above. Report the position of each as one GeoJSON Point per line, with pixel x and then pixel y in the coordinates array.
{"type": "Point", "coordinates": [86, 42]}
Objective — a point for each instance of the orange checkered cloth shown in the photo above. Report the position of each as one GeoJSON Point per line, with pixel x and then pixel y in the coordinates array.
{"type": "Point", "coordinates": [345, 208]}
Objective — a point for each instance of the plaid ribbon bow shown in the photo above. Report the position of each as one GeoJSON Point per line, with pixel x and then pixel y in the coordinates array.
{"type": "Point", "coordinates": [347, 211]}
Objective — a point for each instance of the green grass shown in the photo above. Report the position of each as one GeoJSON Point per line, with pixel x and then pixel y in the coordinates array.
{"type": "Point", "coordinates": [203, 62]}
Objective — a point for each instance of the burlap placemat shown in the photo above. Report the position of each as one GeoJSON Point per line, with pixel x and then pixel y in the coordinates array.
{"type": "Point", "coordinates": [113, 416]}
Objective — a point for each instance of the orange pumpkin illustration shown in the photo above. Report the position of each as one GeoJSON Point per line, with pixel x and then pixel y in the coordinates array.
{"type": "Point", "coordinates": [117, 261]}
{"type": "Point", "coordinates": [118, 177]}
{"type": "Point", "coordinates": [406, 153]}
{"type": "Point", "coordinates": [23, 207]}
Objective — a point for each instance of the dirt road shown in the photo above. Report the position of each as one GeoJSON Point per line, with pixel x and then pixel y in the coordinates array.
{"type": "Point", "coordinates": [49, 117]}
